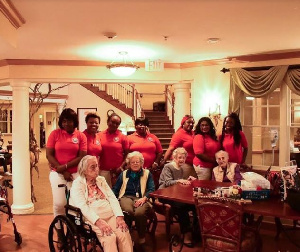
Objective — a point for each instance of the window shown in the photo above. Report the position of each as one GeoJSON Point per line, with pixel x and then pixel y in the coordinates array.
{"type": "Point", "coordinates": [261, 124]}
{"type": "Point", "coordinates": [6, 120]}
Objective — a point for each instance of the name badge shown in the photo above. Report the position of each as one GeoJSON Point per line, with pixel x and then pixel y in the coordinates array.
{"type": "Point", "coordinates": [116, 139]}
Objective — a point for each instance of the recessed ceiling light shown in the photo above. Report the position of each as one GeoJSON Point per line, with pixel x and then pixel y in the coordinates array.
{"type": "Point", "coordinates": [213, 40]}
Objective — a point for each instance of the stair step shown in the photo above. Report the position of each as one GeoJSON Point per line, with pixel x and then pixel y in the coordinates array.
{"type": "Point", "coordinates": [163, 134]}
{"type": "Point", "coordinates": [159, 121]}
{"type": "Point", "coordinates": [160, 130]}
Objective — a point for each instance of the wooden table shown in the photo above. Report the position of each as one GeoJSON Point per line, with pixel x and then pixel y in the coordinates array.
{"type": "Point", "coordinates": [272, 207]}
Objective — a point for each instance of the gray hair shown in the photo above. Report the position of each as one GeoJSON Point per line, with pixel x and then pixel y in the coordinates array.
{"type": "Point", "coordinates": [179, 150]}
{"type": "Point", "coordinates": [82, 166]}
{"type": "Point", "coordinates": [135, 154]}
{"type": "Point", "coordinates": [222, 152]}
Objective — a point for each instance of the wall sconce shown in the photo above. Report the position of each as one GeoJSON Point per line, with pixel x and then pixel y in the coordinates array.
{"type": "Point", "coordinates": [215, 115]}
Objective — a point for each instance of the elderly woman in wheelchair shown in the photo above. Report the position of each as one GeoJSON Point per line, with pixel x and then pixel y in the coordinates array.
{"type": "Point", "coordinates": [99, 206]}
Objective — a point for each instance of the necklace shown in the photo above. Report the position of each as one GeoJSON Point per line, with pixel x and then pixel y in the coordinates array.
{"type": "Point", "coordinates": [136, 190]}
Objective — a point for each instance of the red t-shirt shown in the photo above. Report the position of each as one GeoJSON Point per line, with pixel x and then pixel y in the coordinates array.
{"type": "Point", "coordinates": [67, 146]}
{"type": "Point", "coordinates": [204, 144]}
{"type": "Point", "coordinates": [182, 138]}
{"type": "Point", "coordinates": [113, 147]}
{"type": "Point", "coordinates": [235, 152]}
{"type": "Point", "coordinates": [149, 146]}
{"type": "Point", "coordinates": [94, 147]}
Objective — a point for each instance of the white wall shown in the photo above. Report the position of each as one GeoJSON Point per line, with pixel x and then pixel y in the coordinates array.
{"type": "Point", "coordinates": [80, 97]}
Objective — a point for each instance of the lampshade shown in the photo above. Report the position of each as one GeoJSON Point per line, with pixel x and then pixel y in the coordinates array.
{"type": "Point", "coordinates": [123, 69]}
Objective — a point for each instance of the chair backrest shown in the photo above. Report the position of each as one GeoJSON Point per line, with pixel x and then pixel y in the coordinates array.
{"type": "Point", "coordinates": [220, 223]}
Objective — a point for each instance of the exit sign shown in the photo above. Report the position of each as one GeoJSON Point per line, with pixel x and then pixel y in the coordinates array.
{"type": "Point", "coordinates": [154, 65]}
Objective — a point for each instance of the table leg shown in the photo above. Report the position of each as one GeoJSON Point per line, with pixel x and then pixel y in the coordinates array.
{"type": "Point", "coordinates": [278, 227]}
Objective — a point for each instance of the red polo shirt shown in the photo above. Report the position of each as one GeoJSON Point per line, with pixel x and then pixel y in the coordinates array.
{"type": "Point", "coordinates": [94, 147]}
{"type": "Point", "coordinates": [235, 152]}
{"type": "Point", "coordinates": [149, 146]}
{"type": "Point", "coordinates": [66, 146]}
{"type": "Point", "coordinates": [113, 147]}
{"type": "Point", "coordinates": [204, 144]}
{"type": "Point", "coordinates": [182, 138]}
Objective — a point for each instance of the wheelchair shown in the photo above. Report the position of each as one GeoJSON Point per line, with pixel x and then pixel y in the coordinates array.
{"type": "Point", "coordinates": [69, 232]}
{"type": "Point", "coordinates": [5, 208]}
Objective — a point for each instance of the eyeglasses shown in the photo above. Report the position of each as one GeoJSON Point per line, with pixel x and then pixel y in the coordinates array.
{"type": "Point", "coordinates": [135, 162]}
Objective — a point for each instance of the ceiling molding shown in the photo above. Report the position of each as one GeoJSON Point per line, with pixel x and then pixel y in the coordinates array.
{"type": "Point", "coordinates": [50, 96]}
{"type": "Point", "coordinates": [11, 13]}
{"type": "Point", "coordinates": [229, 60]}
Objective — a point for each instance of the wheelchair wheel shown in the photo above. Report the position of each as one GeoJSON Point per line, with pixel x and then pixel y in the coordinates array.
{"type": "Point", "coordinates": [176, 243]}
{"type": "Point", "coordinates": [62, 236]}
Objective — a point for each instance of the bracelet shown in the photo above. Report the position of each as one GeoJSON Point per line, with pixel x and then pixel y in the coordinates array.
{"type": "Point", "coordinates": [66, 166]}
{"type": "Point", "coordinates": [155, 163]}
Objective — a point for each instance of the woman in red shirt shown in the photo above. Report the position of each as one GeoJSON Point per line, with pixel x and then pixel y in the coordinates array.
{"type": "Point", "coordinates": [205, 146]}
{"type": "Point", "coordinates": [183, 137]}
{"type": "Point", "coordinates": [146, 143]}
{"type": "Point", "coordinates": [114, 149]}
{"type": "Point", "coordinates": [233, 140]}
{"type": "Point", "coordinates": [94, 147]}
{"type": "Point", "coordinates": [65, 148]}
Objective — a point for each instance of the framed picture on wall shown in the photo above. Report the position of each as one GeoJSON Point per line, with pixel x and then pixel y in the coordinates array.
{"type": "Point", "coordinates": [82, 112]}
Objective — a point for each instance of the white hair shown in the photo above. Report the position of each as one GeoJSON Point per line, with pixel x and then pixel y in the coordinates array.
{"type": "Point", "coordinates": [135, 154]}
{"type": "Point", "coordinates": [179, 150]}
{"type": "Point", "coordinates": [82, 166]}
{"type": "Point", "coordinates": [222, 152]}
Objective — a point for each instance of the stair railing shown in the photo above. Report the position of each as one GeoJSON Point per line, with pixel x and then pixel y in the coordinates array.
{"type": "Point", "coordinates": [138, 112]}
{"type": "Point", "coordinates": [124, 93]}
{"type": "Point", "coordinates": [170, 101]}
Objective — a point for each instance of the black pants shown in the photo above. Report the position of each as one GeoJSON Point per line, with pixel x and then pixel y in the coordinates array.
{"type": "Point", "coordinates": [181, 210]}
{"type": "Point", "coordinates": [3, 160]}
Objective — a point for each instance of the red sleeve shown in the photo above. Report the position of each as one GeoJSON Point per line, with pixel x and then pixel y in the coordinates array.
{"type": "Point", "coordinates": [176, 140]}
{"type": "Point", "coordinates": [51, 139]}
{"type": "Point", "coordinates": [125, 142]}
{"type": "Point", "coordinates": [243, 140]}
{"type": "Point", "coordinates": [159, 148]}
{"type": "Point", "coordinates": [198, 144]}
{"type": "Point", "coordinates": [83, 142]}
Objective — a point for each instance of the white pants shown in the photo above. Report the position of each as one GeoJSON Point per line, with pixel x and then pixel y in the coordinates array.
{"type": "Point", "coordinates": [58, 193]}
{"type": "Point", "coordinates": [203, 173]}
{"type": "Point", "coordinates": [118, 240]}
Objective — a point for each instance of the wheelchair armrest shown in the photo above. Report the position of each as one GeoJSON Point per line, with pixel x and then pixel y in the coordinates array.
{"type": "Point", "coordinates": [75, 209]}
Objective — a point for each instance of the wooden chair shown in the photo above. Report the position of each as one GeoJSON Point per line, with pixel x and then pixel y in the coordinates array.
{"type": "Point", "coordinates": [222, 227]}
{"type": "Point", "coordinates": [162, 208]}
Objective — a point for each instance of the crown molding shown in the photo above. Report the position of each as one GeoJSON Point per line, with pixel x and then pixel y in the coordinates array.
{"type": "Point", "coordinates": [11, 13]}
{"type": "Point", "coordinates": [251, 58]}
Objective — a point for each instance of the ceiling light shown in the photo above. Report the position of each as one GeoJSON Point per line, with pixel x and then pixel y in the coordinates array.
{"type": "Point", "coordinates": [213, 40]}
{"type": "Point", "coordinates": [123, 69]}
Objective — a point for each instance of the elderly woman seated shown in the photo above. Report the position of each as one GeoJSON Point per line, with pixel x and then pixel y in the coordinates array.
{"type": "Point", "coordinates": [172, 174]}
{"type": "Point", "coordinates": [100, 207]}
{"type": "Point", "coordinates": [226, 171]}
{"type": "Point", "coordinates": [132, 188]}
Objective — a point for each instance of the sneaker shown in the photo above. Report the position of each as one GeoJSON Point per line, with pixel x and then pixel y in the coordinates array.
{"type": "Point", "coordinates": [8, 173]}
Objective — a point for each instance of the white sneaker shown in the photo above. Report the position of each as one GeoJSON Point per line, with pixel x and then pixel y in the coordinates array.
{"type": "Point", "coordinates": [8, 173]}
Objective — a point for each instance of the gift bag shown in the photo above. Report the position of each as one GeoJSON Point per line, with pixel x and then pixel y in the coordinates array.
{"type": "Point", "coordinates": [288, 174]}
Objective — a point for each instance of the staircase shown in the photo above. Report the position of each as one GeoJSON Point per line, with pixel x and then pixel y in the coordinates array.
{"type": "Point", "coordinates": [119, 95]}
{"type": "Point", "coordinates": [161, 126]}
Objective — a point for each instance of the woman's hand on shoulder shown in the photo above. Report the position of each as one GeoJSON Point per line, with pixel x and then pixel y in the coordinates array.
{"type": "Point", "coordinates": [121, 224]}
{"type": "Point", "coordinates": [104, 227]}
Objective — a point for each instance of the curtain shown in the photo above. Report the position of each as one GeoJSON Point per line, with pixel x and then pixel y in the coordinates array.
{"type": "Point", "coordinates": [235, 96]}
{"type": "Point", "coordinates": [292, 79]}
{"type": "Point", "coordinates": [258, 85]}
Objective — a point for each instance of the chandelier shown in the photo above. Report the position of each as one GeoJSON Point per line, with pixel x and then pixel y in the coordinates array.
{"type": "Point", "coordinates": [123, 69]}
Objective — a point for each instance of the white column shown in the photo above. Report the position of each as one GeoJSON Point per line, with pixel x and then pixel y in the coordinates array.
{"type": "Point", "coordinates": [182, 102]}
{"type": "Point", "coordinates": [22, 203]}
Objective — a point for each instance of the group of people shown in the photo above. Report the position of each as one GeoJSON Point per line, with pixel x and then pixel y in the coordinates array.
{"type": "Point", "coordinates": [202, 144]}
{"type": "Point", "coordinates": [124, 164]}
